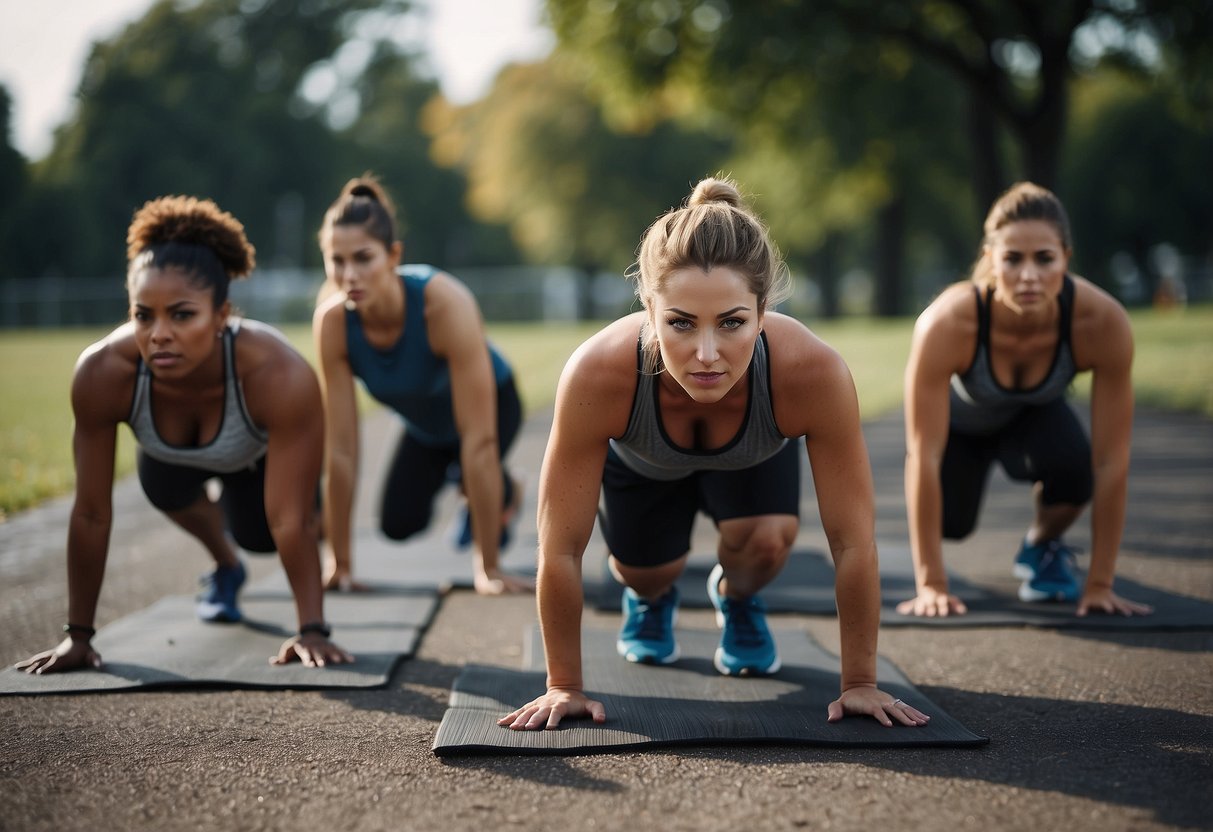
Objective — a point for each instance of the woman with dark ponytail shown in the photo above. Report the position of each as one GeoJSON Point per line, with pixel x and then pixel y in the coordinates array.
{"type": "Point", "coordinates": [207, 395]}
{"type": "Point", "coordinates": [699, 403]}
{"type": "Point", "coordinates": [414, 336]}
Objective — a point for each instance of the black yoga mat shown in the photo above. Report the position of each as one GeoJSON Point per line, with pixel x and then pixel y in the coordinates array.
{"type": "Point", "coordinates": [687, 703]}
{"type": "Point", "coordinates": [166, 646]}
{"type": "Point", "coordinates": [806, 586]}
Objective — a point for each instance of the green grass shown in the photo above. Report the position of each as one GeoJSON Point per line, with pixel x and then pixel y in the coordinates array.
{"type": "Point", "coordinates": [1173, 369]}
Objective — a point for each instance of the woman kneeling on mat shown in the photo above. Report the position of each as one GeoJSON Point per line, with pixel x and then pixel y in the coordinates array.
{"type": "Point", "coordinates": [415, 338]}
{"type": "Point", "coordinates": [990, 364]}
{"type": "Point", "coordinates": [207, 395]}
{"type": "Point", "coordinates": [694, 404]}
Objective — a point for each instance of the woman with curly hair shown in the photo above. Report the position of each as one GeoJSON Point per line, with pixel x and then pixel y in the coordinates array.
{"type": "Point", "coordinates": [207, 396]}
{"type": "Point", "coordinates": [699, 403]}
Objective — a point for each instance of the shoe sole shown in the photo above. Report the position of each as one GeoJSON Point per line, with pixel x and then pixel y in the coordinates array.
{"type": "Point", "coordinates": [725, 670]}
{"type": "Point", "coordinates": [653, 660]}
{"type": "Point", "coordinates": [1032, 596]}
{"type": "Point", "coordinates": [1023, 572]}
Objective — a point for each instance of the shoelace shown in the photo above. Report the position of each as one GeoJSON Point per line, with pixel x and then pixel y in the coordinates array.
{"type": "Point", "coordinates": [740, 614]}
{"type": "Point", "coordinates": [1054, 560]}
{"type": "Point", "coordinates": [651, 628]}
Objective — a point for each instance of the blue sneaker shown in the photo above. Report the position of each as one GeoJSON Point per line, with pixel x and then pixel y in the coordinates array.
{"type": "Point", "coordinates": [746, 645]}
{"type": "Point", "coordinates": [463, 537]}
{"type": "Point", "coordinates": [217, 601]}
{"type": "Point", "coordinates": [1047, 572]}
{"type": "Point", "coordinates": [647, 634]}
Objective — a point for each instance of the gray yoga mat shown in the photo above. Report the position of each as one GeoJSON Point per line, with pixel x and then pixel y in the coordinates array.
{"type": "Point", "coordinates": [166, 646]}
{"type": "Point", "coordinates": [687, 703]}
{"type": "Point", "coordinates": [806, 586]}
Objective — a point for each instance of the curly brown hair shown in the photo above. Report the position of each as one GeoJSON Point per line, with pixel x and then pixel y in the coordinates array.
{"type": "Point", "coordinates": [192, 234]}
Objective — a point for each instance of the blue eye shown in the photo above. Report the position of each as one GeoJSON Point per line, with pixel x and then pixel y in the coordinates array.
{"type": "Point", "coordinates": [680, 324]}
{"type": "Point", "coordinates": [732, 323]}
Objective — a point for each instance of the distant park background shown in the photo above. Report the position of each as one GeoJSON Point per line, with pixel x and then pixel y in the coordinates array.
{"type": "Point", "coordinates": [871, 134]}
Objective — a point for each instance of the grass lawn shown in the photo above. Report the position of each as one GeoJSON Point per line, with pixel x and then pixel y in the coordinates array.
{"type": "Point", "coordinates": [1173, 369]}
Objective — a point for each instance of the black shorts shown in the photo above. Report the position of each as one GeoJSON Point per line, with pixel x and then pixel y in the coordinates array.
{"type": "Point", "coordinates": [419, 471]}
{"type": "Point", "coordinates": [648, 522]}
{"type": "Point", "coordinates": [175, 487]}
{"type": "Point", "coordinates": [1044, 444]}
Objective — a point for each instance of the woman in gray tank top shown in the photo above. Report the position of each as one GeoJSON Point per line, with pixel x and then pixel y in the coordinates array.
{"type": "Point", "coordinates": [990, 364]}
{"type": "Point", "coordinates": [206, 397]}
{"type": "Point", "coordinates": [699, 403]}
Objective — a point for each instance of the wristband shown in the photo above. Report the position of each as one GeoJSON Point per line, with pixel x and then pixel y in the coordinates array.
{"type": "Point", "coordinates": [80, 629]}
{"type": "Point", "coordinates": [316, 627]}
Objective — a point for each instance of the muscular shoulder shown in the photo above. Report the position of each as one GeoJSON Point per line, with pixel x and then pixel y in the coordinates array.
{"type": "Point", "coordinates": [272, 373]}
{"type": "Point", "coordinates": [104, 377]}
{"type": "Point", "coordinates": [952, 314]}
{"type": "Point", "coordinates": [1099, 327]}
{"type": "Point", "coordinates": [599, 379]}
{"type": "Point", "coordinates": [805, 370]}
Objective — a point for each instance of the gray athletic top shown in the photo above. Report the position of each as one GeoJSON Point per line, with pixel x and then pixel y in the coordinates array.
{"type": "Point", "coordinates": [238, 444]}
{"type": "Point", "coordinates": [646, 449]}
{"type": "Point", "coordinates": [982, 406]}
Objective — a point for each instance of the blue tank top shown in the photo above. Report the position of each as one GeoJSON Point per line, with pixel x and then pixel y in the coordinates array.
{"type": "Point", "coordinates": [646, 449]}
{"type": "Point", "coordinates": [407, 376]}
{"type": "Point", "coordinates": [979, 404]}
{"type": "Point", "coordinates": [238, 444]}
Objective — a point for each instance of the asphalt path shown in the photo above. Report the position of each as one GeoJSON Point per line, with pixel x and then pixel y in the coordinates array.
{"type": "Point", "coordinates": [1107, 731]}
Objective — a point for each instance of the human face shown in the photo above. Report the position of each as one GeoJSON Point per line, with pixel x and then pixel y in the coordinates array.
{"type": "Point", "coordinates": [359, 264]}
{"type": "Point", "coordinates": [706, 325]}
{"type": "Point", "coordinates": [1029, 263]}
{"type": "Point", "coordinates": [176, 322]}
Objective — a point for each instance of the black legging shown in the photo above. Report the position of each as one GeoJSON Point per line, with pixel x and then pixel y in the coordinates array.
{"type": "Point", "coordinates": [418, 471]}
{"type": "Point", "coordinates": [175, 487]}
{"type": "Point", "coordinates": [1044, 444]}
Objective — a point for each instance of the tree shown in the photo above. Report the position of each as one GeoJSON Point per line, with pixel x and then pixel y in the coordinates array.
{"type": "Point", "coordinates": [540, 157]}
{"type": "Point", "coordinates": [12, 181]}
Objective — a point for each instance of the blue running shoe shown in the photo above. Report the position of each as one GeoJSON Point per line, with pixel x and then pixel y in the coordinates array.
{"type": "Point", "coordinates": [1047, 572]}
{"type": "Point", "coordinates": [217, 601]}
{"type": "Point", "coordinates": [647, 634]}
{"type": "Point", "coordinates": [746, 645]}
{"type": "Point", "coordinates": [463, 537]}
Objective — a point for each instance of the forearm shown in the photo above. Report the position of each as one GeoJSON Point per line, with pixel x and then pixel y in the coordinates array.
{"type": "Point", "coordinates": [560, 601]}
{"type": "Point", "coordinates": [338, 495]}
{"type": "Point", "coordinates": [482, 482]}
{"type": "Point", "coordinates": [87, 551]}
{"type": "Point", "coordinates": [299, 552]}
{"type": "Point", "coordinates": [1107, 522]}
{"type": "Point", "coordinates": [924, 513]}
{"type": "Point", "coordinates": [857, 594]}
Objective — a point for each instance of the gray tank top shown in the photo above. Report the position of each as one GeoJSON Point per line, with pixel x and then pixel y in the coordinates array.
{"type": "Point", "coordinates": [645, 448]}
{"type": "Point", "coordinates": [982, 406]}
{"type": "Point", "coordinates": [238, 444]}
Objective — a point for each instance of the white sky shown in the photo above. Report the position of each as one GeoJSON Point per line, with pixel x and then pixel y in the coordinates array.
{"type": "Point", "coordinates": [43, 44]}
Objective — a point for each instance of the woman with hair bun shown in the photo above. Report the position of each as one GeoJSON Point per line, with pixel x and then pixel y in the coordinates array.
{"type": "Point", "coordinates": [207, 395]}
{"type": "Point", "coordinates": [991, 361]}
{"type": "Point", "coordinates": [413, 335]}
{"type": "Point", "coordinates": [694, 404]}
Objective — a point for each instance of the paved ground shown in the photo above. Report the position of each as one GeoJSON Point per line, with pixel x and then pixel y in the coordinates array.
{"type": "Point", "coordinates": [1088, 731]}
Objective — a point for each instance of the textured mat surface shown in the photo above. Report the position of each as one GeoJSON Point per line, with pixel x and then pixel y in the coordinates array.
{"type": "Point", "coordinates": [806, 585]}
{"type": "Point", "coordinates": [687, 703]}
{"type": "Point", "coordinates": [166, 646]}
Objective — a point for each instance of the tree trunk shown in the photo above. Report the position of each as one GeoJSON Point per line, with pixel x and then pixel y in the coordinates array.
{"type": "Point", "coordinates": [988, 175]}
{"type": "Point", "coordinates": [826, 267]}
{"type": "Point", "coordinates": [890, 255]}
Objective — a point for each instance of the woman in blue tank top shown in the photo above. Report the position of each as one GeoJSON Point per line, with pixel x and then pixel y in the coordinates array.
{"type": "Point", "coordinates": [700, 402]}
{"type": "Point", "coordinates": [207, 397]}
{"type": "Point", "coordinates": [991, 361]}
{"type": "Point", "coordinates": [414, 336]}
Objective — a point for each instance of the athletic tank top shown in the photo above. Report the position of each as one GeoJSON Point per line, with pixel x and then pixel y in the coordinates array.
{"type": "Point", "coordinates": [407, 376]}
{"type": "Point", "coordinates": [646, 449]}
{"type": "Point", "coordinates": [239, 442]}
{"type": "Point", "coordinates": [979, 404]}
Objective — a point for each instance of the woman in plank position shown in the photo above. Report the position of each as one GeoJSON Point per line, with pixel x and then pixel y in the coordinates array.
{"type": "Point", "coordinates": [207, 395]}
{"type": "Point", "coordinates": [695, 404]}
{"type": "Point", "coordinates": [414, 336]}
{"type": "Point", "coordinates": [991, 361]}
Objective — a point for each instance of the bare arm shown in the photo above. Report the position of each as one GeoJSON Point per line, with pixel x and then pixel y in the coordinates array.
{"type": "Point", "coordinates": [102, 380]}
{"type": "Point", "coordinates": [592, 404]}
{"type": "Point", "coordinates": [456, 333]}
{"type": "Point", "coordinates": [340, 440]}
{"type": "Point", "coordinates": [1109, 341]}
{"type": "Point", "coordinates": [942, 334]}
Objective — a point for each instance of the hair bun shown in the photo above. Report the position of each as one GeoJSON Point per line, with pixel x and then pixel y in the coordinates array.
{"type": "Point", "coordinates": [716, 190]}
{"type": "Point", "coordinates": [187, 220]}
